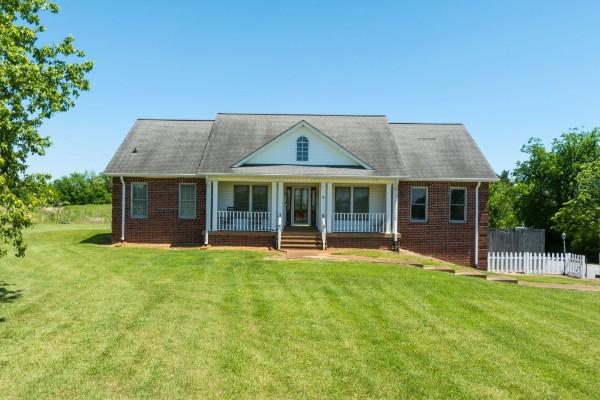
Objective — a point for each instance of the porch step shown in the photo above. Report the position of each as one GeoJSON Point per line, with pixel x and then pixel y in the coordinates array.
{"type": "Point", "coordinates": [300, 240]}
{"type": "Point", "coordinates": [300, 246]}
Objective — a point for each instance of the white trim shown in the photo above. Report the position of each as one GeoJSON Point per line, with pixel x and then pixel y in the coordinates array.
{"type": "Point", "coordinates": [273, 206]}
{"type": "Point", "coordinates": [457, 221]}
{"type": "Point", "coordinates": [131, 199]}
{"type": "Point", "coordinates": [307, 125]}
{"type": "Point", "coordinates": [329, 206]}
{"type": "Point", "coordinates": [388, 207]}
{"type": "Point", "coordinates": [352, 187]}
{"type": "Point", "coordinates": [322, 207]}
{"type": "Point", "coordinates": [215, 204]}
{"type": "Point", "coordinates": [179, 201]}
{"type": "Point", "coordinates": [395, 210]}
{"type": "Point", "coordinates": [207, 211]}
{"type": "Point", "coordinates": [413, 179]}
{"type": "Point", "coordinates": [410, 204]}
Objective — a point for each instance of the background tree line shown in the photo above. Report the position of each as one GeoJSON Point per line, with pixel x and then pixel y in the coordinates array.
{"type": "Point", "coordinates": [81, 188]}
{"type": "Point", "coordinates": [557, 189]}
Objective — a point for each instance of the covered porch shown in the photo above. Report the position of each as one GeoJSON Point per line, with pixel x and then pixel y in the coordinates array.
{"type": "Point", "coordinates": [259, 204]}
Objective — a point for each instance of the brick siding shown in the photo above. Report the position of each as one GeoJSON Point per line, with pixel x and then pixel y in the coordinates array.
{"type": "Point", "coordinates": [436, 237]}
{"type": "Point", "coordinates": [163, 224]}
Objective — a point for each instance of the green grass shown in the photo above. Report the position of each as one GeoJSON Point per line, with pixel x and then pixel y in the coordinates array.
{"type": "Point", "coordinates": [563, 280]}
{"type": "Point", "coordinates": [80, 319]}
{"type": "Point", "coordinates": [75, 214]}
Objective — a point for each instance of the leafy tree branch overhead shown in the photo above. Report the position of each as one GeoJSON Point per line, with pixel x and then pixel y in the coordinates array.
{"type": "Point", "coordinates": [36, 82]}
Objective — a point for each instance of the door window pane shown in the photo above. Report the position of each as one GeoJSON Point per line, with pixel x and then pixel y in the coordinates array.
{"type": "Point", "coordinates": [259, 198]}
{"type": "Point", "coordinates": [342, 199]}
{"type": "Point", "coordinates": [241, 197]}
{"type": "Point", "coordinates": [360, 200]}
{"type": "Point", "coordinates": [418, 204]}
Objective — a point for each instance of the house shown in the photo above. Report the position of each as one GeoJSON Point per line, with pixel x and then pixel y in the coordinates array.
{"type": "Point", "coordinates": [287, 180]}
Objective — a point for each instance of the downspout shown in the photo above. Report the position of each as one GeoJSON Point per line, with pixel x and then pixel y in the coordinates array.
{"type": "Point", "coordinates": [123, 189]}
{"type": "Point", "coordinates": [477, 224]}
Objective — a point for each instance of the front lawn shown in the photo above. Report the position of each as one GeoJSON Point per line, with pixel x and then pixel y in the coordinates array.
{"type": "Point", "coordinates": [81, 319]}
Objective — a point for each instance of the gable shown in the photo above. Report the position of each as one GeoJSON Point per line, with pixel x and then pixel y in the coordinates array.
{"type": "Point", "coordinates": [322, 150]}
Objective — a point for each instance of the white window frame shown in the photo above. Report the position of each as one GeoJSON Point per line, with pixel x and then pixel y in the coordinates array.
{"type": "Point", "coordinates": [195, 201]}
{"type": "Point", "coordinates": [351, 187]}
{"type": "Point", "coordinates": [457, 221]}
{"type": "Point", "coordinates": [250, 197]}
{"type": "Point", "coordinates": [131, 200]}
{"type": "Point", "coordinates": [304, 142]}
{"type": "Point", "coordinates": [410, 204]}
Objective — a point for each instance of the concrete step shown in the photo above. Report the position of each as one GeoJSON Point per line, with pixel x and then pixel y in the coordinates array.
{"type": "Point", "coordinates": [441, 268]}
{"type": "Point", "coordinates": [300, 240]}
{"type": "Point", "coordinates": [300, 246]}
{"type": "Point", "coordinates": [472, 274]}
{"type": "Point", "coordinates": [415, 264]}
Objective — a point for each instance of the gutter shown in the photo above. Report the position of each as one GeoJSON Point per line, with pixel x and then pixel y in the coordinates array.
{"type": "Point", "coordinates": [123, 189]}
{"type": "Point", "coordinates": [477, 224]}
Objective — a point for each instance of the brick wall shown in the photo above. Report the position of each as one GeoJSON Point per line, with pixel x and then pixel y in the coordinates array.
{"type": "Point", "coordinates": [364, 241]}
{"type": "Point", "coordinates": [163, 224]}
{"type": "Point", "coordinates": [250, 239]}
{"type": "Point", "coordinates": [437, 237]}
{"type": "Point", "coordinates": [453, 242]}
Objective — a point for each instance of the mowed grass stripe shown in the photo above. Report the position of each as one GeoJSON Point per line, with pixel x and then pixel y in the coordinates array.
{"type": "Point", "coordinates": [96, 321]}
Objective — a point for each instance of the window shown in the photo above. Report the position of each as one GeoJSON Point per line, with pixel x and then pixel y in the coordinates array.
{"type": "Point", "coordinates": [187, 200]}
{"type": "Point", "coordinates": [360, 200]}
{"type": "Point", "coordinates": [302, 149]}
{"type": "Point", "coordinates": [342, 200]}
{"type": "Point", "coordinates": [458, 205]}
{"type": "Point", "coordinates": [418, 204]}
{"type": "Point", "coordinates": [241, 198]}
{"type": "Point", "coordinates": [351, 200]}
{"type": "Point", "coordinates": [259, 198]}
{"type": "Point", "coordinates": [139, 200]}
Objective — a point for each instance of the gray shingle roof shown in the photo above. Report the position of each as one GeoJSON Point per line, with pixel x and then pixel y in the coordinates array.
{"type": "Point", "coordinates": [163, 147]}
{"type": "Point", "coordinates": [414, 151]}
{"type": "Point", "coordinates": [440, 151]}
{"type": "Point", "coordinates": [234, 136]}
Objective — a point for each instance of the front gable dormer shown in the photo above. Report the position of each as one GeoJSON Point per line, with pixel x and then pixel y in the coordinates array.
{"type": "Point", "coordinates": [302, 144]}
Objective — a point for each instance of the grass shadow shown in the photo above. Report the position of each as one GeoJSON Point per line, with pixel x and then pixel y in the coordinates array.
{"type": "Point", "coordinates": [101, 239]}
{"type": "Point", "coordinates": [8, 295]}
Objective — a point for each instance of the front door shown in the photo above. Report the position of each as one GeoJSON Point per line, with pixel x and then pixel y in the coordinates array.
{"type": "Point", "coordinates": [301, 206]}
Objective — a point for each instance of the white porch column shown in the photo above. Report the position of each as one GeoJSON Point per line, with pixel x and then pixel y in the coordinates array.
{"type": "Point", "coordinates": [329, 207]}
{"type": "Point", "coordinates": [207, 211]}
{"type": "Point", "coordinates": [273, 206]}
{"type": "Point", "coordinates": [395, 210]}
{"type": "Point", "coordinates": [322, 207]}
{"type": "Point", "coordinates": [215, 205]}
{"type": "Point", "coordinates": [388, 208]}
{"type": "Point", "coordinates": [280, 203]}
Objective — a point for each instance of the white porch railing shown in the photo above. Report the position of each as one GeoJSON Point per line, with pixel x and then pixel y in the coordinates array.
{"type": "Point", "coordinates": [243, 220]}
{"type": "Point", "coordinates": [538, 263]}
{"type": "Point", "coordinates": [359, 222]}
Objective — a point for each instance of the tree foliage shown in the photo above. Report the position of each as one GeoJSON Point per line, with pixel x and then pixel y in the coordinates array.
{"type": "Point", "coordinates": [502, 211]}
{"type": "Point", "coordinates": [36, 81]}
{"type": "Point", "coordinates": [83, 188]}
{"type": "Point", "coordinates": [555, 189]}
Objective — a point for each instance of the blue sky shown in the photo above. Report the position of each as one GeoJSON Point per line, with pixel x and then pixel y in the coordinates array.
{"type": "Point", "coordinates": [507, 70]}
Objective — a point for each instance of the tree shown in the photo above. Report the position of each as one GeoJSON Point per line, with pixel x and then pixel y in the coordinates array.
{"type": "Point", "coordinates": [83, 188]}
{"type": "Point", "coordinates": [36, 81]}
{"type": "Point", "coordinates": [580, 216]}
{"type": "Point", "coordinates": [547, 180]}
{"type": "Point", "coordinates": [501, 204]}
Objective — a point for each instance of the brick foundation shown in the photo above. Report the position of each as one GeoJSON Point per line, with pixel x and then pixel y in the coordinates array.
{"type": "Point", "coordinates": [251, 239]}
{"type": "Point", "coordinates": [365, 240]}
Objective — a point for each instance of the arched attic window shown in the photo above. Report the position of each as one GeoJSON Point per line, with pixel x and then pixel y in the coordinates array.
{"type": "Point", "coordinates": [302, 149]}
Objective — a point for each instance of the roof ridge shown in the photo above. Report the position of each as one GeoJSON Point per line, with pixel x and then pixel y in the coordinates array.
{"type": "Point", "coordinates": [308, 115]}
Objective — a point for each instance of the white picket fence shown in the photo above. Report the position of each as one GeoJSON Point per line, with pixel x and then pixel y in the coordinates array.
{"type": "Point", "coordinates": [538, 263]}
